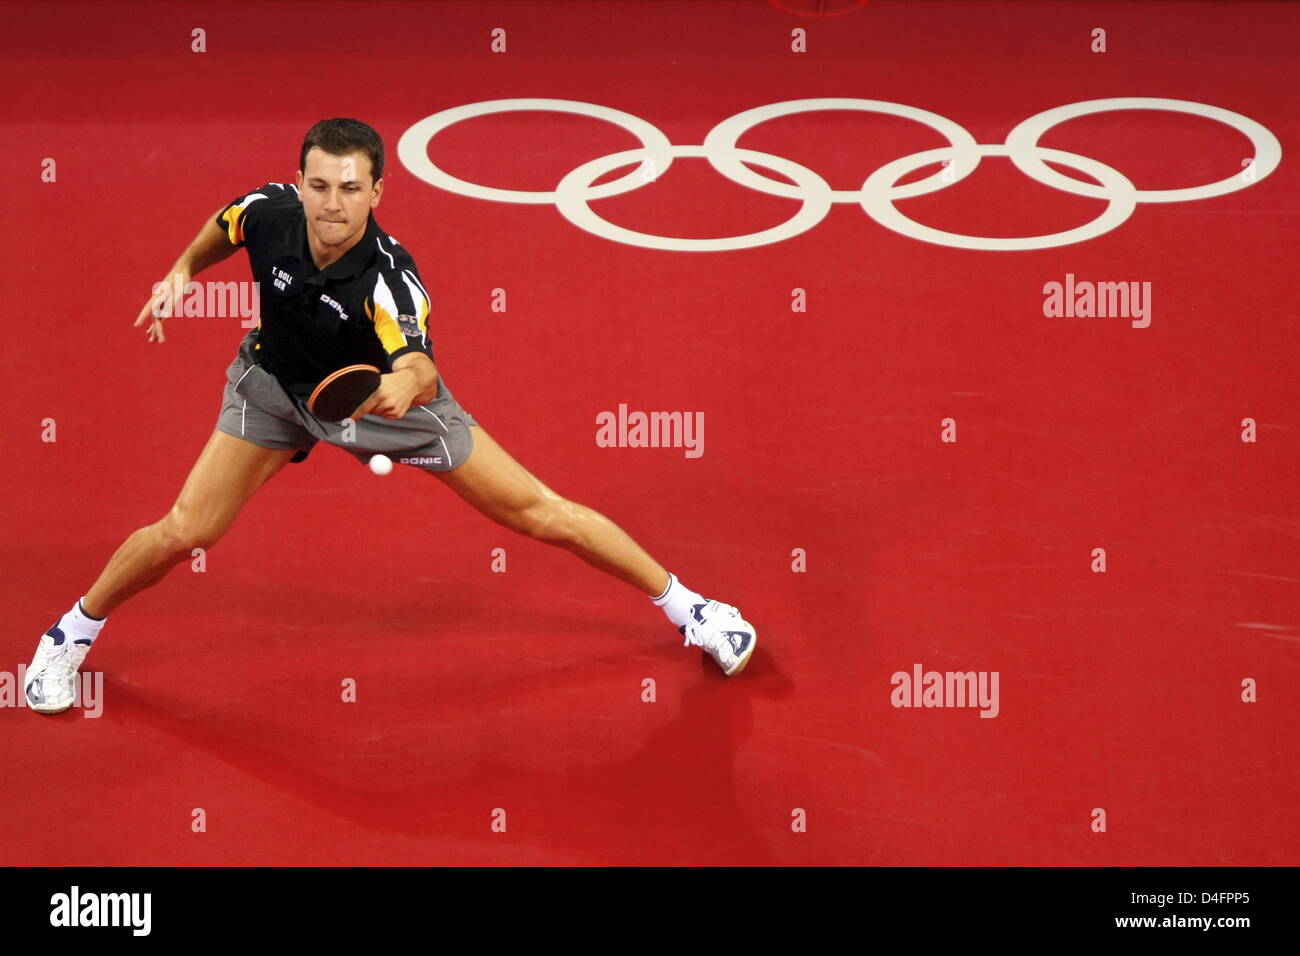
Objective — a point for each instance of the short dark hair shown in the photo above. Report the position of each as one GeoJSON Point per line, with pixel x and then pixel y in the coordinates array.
{"type": "Point", "coordinates": [341, 136]}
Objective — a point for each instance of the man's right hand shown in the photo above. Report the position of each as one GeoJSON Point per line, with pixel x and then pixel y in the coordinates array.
{"type": "Point", "coordinates": [163, 303]}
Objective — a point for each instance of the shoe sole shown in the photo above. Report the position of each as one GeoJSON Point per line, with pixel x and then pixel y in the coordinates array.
{"type": "Point", "coordinates": [48, 710]}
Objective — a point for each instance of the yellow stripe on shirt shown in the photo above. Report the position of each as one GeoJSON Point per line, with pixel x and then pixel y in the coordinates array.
{"type": "Point", "coordinates": [386, 327]}
{"type": "Point", "coordinates": [234, 224]}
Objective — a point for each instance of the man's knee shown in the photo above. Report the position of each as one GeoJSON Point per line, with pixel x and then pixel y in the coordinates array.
{"type": "Point", "coordinates": [550, 519]}
{"type": "Point", "coordinates": [182, 530]}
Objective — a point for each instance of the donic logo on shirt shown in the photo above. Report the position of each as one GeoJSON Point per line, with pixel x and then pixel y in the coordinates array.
{"type": "Point", "coordinates": [409, 325]}
{"type": "Point", "coordinates": [336, 306]}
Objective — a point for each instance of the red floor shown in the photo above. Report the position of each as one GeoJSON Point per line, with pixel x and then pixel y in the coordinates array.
{"type": "Point", "coordinates": [522, 690]}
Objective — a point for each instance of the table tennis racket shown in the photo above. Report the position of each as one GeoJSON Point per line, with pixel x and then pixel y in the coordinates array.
{"type": "Point", "coordinates": [343, 392]}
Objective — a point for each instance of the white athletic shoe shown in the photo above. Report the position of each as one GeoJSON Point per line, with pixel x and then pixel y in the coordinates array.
{"type": "Point", "coordinates": [52, 677]}
{"type": "Point", "coordinates": [720, 630]}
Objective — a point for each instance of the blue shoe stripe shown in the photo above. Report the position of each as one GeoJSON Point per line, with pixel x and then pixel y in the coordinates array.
{"type": "Point", "coordinates": [739, 640]}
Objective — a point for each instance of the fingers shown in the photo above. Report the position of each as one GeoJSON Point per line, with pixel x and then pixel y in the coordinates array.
{"type": "Point", "coordinates": [383, 409]}
{"type": "Point", "coordinates": [384, 403]}
{"type": "Point", "coordinates": [366, 408]}
{"type": "Point", "coordinates": [155, 307]}
{"type": "Point", "coordinates": [393, 406]}
{"type": "Point", "coordinates": [155, 310]}
{"type": "Point", "coordinates": [166, 295]}
{"type": "Point", "coordinates": [380, 403]}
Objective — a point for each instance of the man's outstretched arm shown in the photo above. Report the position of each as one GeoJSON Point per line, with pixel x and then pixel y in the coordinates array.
{"type": "Point", "coordinates": [209, 247]}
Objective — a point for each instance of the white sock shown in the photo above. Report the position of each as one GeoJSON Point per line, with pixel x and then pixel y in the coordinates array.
{"type": "Point", "coordinates": [79, 626]}
{"type": "Point", "coordinates": [677, 601]}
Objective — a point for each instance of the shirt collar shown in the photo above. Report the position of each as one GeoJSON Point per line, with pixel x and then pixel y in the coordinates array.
{"type": "Point", "coordinates": [353, 261]}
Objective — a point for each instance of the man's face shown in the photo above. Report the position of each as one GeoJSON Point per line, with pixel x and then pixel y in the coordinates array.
{"type": "Point", "coordinates": [337, 195]}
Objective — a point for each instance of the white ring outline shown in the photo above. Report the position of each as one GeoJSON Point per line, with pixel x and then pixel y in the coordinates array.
{"type": "Point", "coordinates": [879, 206]}
{"type": "Point", "coordinates": [413, 148]}
{"type": "Point", "coordinates": [1024, 138]}
{"type": "Point", "coordinates": [721, 142]}
{"type": "Point", "coordinates": [1021, 147]}
{"type": "Point", "coordinates": [573, 203]}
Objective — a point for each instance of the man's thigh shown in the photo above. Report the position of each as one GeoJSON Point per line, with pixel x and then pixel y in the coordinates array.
{"type": "Point", "coordinates": [495, 483]}
{"type": "Point", "coordinates": [227, 473]}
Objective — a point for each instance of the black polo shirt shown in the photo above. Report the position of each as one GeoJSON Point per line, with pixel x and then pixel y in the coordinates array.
{"type": "Point", "coordinates": [368, 307]}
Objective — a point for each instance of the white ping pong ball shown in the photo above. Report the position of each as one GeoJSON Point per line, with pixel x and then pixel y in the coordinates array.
{"type": "Point", "coordinates": [381, 464]}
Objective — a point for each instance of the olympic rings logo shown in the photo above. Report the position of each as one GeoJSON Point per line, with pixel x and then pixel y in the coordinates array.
{"type": "Point", "coordinates": [574, 193]}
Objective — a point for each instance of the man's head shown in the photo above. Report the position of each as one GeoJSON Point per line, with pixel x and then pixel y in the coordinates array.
{"type": "Point", "coordinates": [340, 180]}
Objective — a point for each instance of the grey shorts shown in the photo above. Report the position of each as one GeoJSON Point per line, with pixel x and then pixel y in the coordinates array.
{"type": "Point", "coordinates": [257, 408]}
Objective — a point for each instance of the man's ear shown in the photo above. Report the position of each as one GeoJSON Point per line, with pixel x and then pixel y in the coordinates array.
{"type": "Point", "coordinates": [379, 191]}
{"type": "Point", "coordinates": [299, 180]}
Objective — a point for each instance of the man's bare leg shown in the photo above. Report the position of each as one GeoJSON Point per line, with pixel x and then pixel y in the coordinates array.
{"type": "Point", "coordinates": [506, 492]}
{"type": "Point", "coordinates": [502, 489]}
{"type": "Point", "coordinates": [225, 476]}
